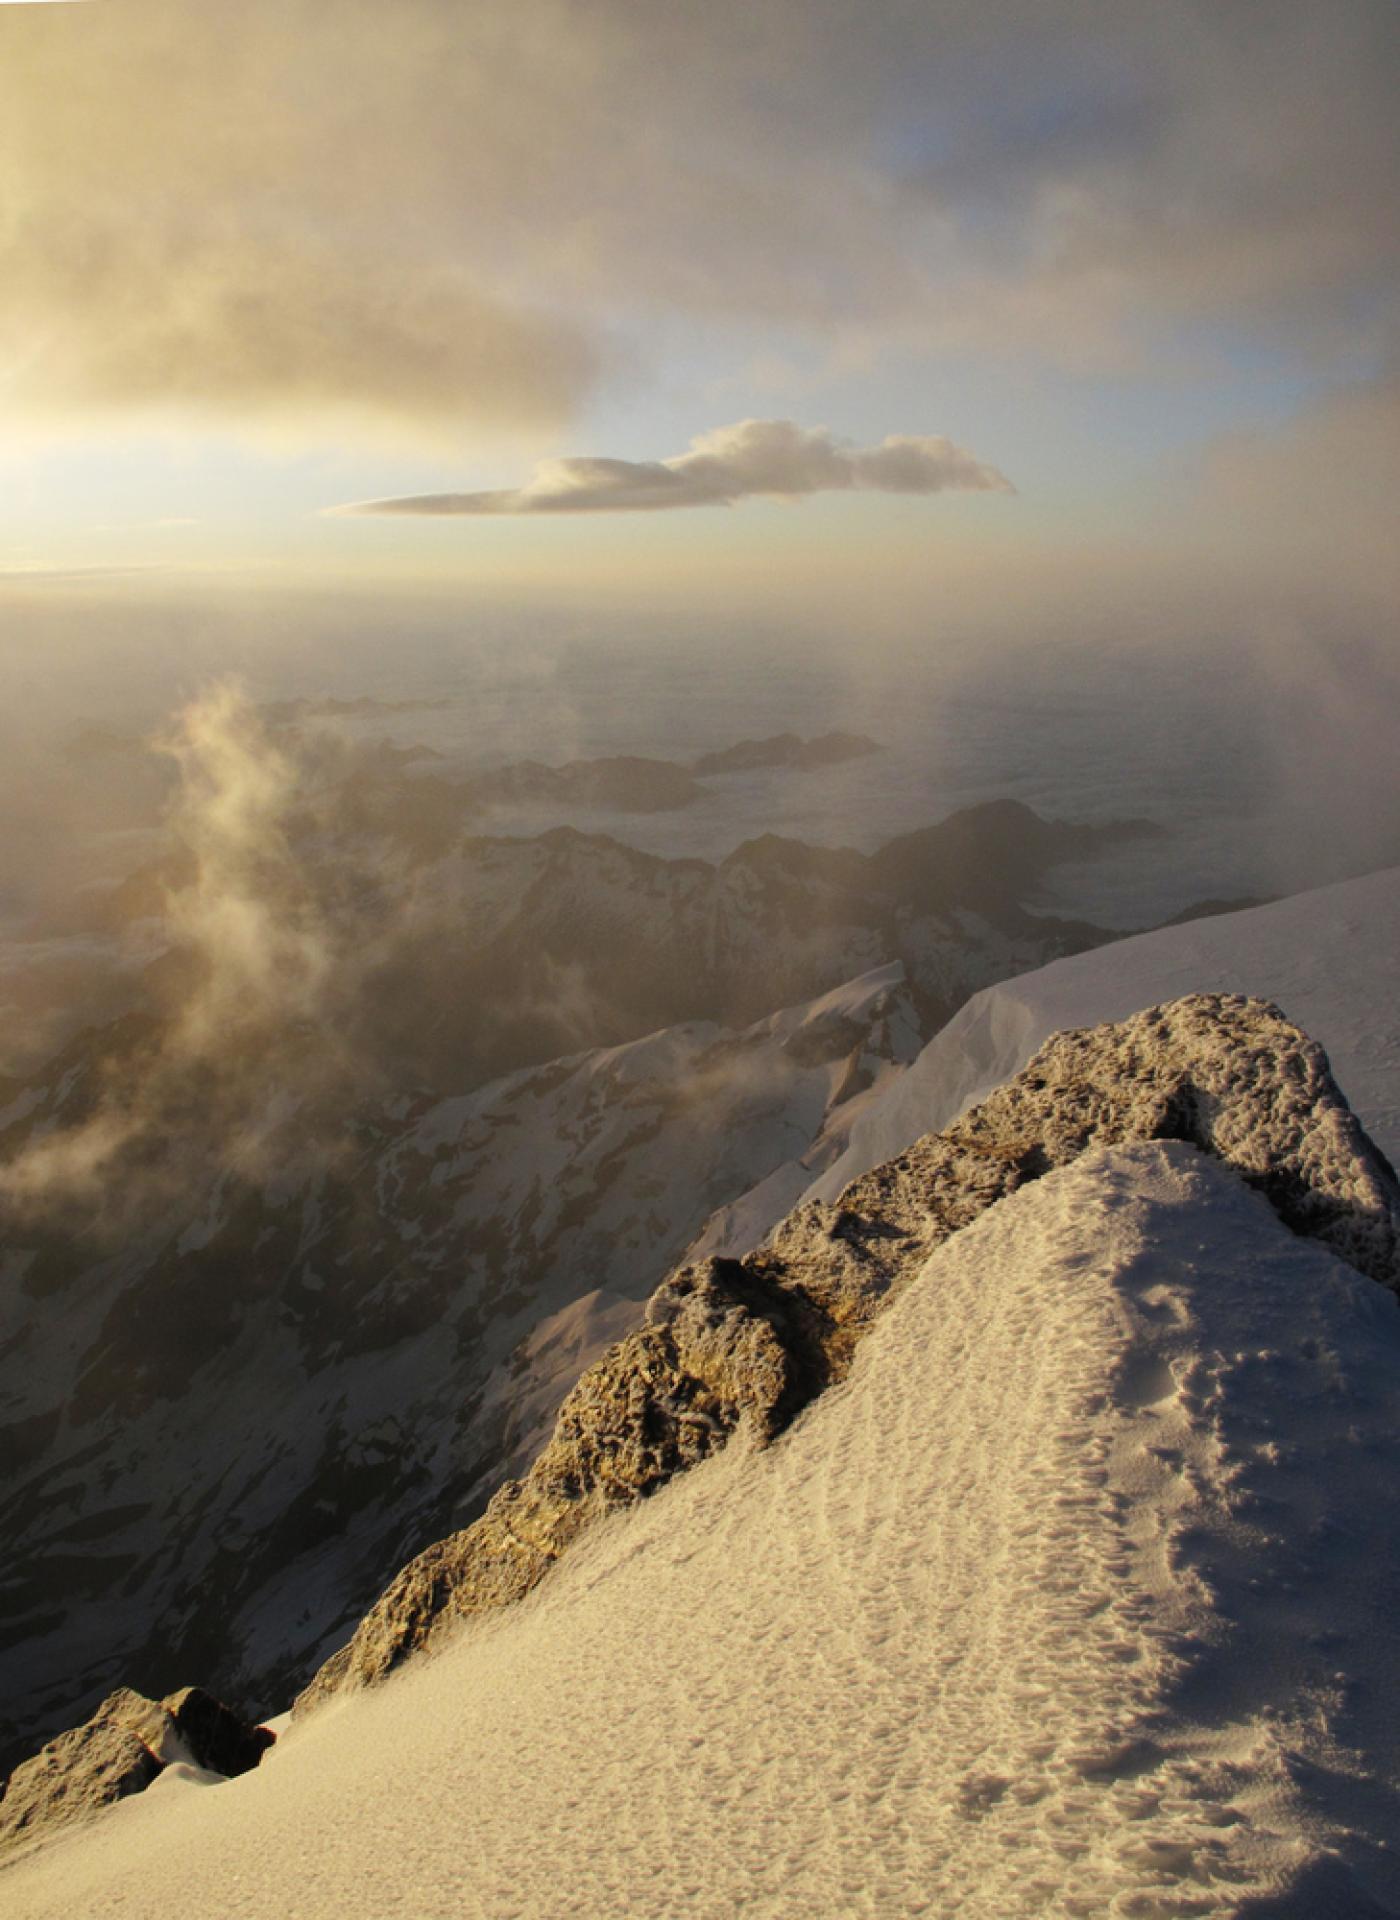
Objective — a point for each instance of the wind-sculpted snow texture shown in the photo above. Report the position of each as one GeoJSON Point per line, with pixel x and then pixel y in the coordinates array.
{"type": "Point", "coordinates": [289, 1281]}
{"type": "Point", "coordinates": [1075, 1601]}
{"type": "Point", "coordinates": [747, 1343]}
{"type": "Point", "coordinates": [119, 1751]}
{"type": "Point", "coordinates": [218, 1436]}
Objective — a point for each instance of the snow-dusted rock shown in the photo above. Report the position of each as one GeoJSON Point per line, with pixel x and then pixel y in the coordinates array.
{"type": "Point", "coordinates": [72, 1778]}
{"type": "Point", "coordinates": [750, 1342]}
{"type": "Point", "coordinates": [1230, 1074]}
{"type": "Point", "coordinates": [1330, 958]}
{"type": "Point", "coordinates": [119, 1751]}
{"type": "Point", "coordinates": [251, 1410]}
{"type": "Point", "coordinates": [722, 1345]}
{"type": "Point", "coordinates": [1075, 1599]}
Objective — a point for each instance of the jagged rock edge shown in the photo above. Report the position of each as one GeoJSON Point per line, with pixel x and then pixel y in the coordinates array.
{"type": "Point", "coordinates": [750, 1342]}
{"type": "Point", "coordinates": [119, 1750]}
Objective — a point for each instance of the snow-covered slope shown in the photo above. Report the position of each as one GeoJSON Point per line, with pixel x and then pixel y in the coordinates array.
{"type": "Point", "coordinates": [218, 1440]}
{"type": "Point", "coordinates": [1329, 958]}
{"type": "Point", "coordinates": [1074, 1599]}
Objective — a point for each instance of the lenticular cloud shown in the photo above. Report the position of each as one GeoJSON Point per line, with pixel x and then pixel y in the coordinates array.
{"type": "Point", "coordinates": [776, 458]}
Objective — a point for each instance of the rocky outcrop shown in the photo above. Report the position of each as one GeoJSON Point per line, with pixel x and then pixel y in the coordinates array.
{"type": "Point", "coordinates": [72, 1778]}
{"type": "Point", "coordinates": [748, 1343]}
{"type": "Point", "coordinates": [345, 1367]}
{"type": "Point", "coordinates": [722, 1346]}
{"type": "Point", "coordinates": [1230, 1074]}
{"type": "Point", "coordinates": [213, 1735]}
{"type": "Point", "coordinates": [118, 1752]}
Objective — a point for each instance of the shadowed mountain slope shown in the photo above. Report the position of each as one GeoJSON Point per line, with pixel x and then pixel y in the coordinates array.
{"type": "Point", "coordinates": [750, 1342]}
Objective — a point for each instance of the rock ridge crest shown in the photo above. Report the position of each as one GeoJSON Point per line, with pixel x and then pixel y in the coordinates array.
{"type": "Point", "coordinates": [745, 1344]}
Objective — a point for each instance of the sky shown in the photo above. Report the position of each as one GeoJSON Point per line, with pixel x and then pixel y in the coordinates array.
{"type": "Point", "coordinates": [525, 291]}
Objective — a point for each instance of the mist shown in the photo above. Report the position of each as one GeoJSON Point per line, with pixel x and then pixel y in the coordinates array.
{"type": "Point", "coordinates": [260, 878]}
{"type": "Point", "coordinates": [236, 1052]}
{"type": "Point", "coordinates": [1238, 697]}
{"type": "Point", "coordinates": [576, 583]}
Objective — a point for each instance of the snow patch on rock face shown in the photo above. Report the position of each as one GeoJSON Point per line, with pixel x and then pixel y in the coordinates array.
{"type": "Point", "coordinates": [748, 1343]}
{"type": "Point", "coordinates": [1074, 1600]}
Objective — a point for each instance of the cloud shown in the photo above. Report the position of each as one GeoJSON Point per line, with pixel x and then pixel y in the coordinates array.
{"type": "Point", "coordinates": [267, 327]}
{"type": "Point", "coordinates": [776, 458]}
{"type": "Point", "coordinates": [1314, 499]}
{"type": "Point", "coordinates": [446, 219]}
{"type": "Point", "coordinates": [245, 1073]}
{"type": "Point", "coordinates": [269, 221]}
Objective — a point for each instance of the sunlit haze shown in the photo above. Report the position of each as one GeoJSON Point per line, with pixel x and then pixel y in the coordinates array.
{"type": "Point", "coordinates": [609, 609]}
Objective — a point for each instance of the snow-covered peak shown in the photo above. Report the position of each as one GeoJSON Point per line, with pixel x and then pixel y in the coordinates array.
{"type": "Point", "coordinates": [747, 1344]}
{"type": "Point", "coordinates": [1074, 1600]}
{"type": "Point", "coordinates": [1329, 958]}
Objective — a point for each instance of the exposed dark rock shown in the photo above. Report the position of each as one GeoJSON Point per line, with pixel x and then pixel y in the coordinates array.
{"type": "Point", "coordinates": [991, 854]}
{"type": "Point", "coordinates": [829, 1037]}
{"type": "Point", "coordinates": [118, 1752]}
{"type": "Point", "coordinates": [749, 1343]}
{"type": "Point", "coordinates": [216, 1737]}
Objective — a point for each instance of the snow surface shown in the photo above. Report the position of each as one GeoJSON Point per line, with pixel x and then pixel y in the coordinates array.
{"type": "Point", "coordinates": [1330, 959]}
{"type": "Point", "coordinates": [1075, 1599]}
{"type": "Point", "coordinates": [433, 1304]}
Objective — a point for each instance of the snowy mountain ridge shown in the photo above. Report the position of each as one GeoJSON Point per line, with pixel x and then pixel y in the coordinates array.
{"type": "Point", "coordinates": [1066, 1598]}
{"type": "Point", "coordinates": [1330, 958]}
{"type": "Point", "coordinates": [299, 1311]}
{"type": "Point", "coordinates": [748, 1343]}
{"type": "Point", "coordinates": [1232, 1434]}
{"type": "Point", "coordinates": [246, 1417]}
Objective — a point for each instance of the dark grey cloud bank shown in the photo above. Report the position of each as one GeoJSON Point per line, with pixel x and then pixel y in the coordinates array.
{"type": "Point", "coordinates": [776, 458]}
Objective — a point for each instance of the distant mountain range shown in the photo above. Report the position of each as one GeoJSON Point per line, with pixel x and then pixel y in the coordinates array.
{"type": "Point", "coordinates": [1111, 1453]}
{"type": "Point", "coordinates": [339, 1262]}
